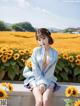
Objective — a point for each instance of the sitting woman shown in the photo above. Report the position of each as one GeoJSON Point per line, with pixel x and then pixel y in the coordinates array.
{"type": "Point", "coordinates": [41, 79]}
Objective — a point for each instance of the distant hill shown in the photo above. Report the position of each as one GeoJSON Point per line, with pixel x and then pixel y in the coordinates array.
{"type": "Point", "coordinates": [27, 26]}
{"type": "Point", "coordinates": [21, 26]}
{"type": "Point", "coordinates": [72, 30]}
{"type": "Point", "coordinates": [54, 29]}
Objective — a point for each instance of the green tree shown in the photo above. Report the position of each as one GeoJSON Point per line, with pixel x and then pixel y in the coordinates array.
{"type": "Point", "coordinates": [23, 26]}
{"type": "Point", "coordinates": [2, 26]}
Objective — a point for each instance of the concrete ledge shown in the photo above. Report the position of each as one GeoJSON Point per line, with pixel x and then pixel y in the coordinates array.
{"type": "Point", "coordinates": [23, 97]}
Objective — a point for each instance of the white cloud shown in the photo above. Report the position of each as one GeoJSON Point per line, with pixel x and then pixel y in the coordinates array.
{"type": "Point", "coordinates": [42, 10]}
{"type": "Point", "coordinates": [45, 11]}
{"type": "Point", "coordinates": [22, 3]}
{"type": "Point", "coordinates": [4, 0]}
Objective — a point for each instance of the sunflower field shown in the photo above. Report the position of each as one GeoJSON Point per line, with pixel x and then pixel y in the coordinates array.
{"type": "Point", "coordinates": [16, 48]}
{"type": "Point", "coordinates": [12, 62]}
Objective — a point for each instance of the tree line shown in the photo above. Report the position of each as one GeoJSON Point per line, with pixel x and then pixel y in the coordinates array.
{"type": "Point", "coordinates": [21, 26]}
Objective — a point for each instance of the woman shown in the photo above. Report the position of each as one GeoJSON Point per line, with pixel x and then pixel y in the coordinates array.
{"type": "Point", "coordinates": [41, 79]}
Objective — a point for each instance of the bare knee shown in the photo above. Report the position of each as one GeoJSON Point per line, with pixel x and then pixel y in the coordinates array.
{"type": "Point", "coordinates": [39, 102]}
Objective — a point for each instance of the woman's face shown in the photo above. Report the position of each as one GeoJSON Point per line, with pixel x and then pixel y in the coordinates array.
{"type": "Point", "coordinates": [43, 41]}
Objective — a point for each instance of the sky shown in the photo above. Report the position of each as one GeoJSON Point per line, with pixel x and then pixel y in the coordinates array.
{"type": "Point", "coordinates": [42, 13]}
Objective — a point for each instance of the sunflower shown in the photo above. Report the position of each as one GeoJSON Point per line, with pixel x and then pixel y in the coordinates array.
{"type": "Point", "coordinates": [10, 52]}
{"type": "Point", "coordinates": [9, 56]}
{"type": "Point", "coordinates": [1, 53]}
{"type": "Point", "coordinates": [78, 56]}
{"type": "Point", "coordinates": [65, 56]}
{"type": "Point", "coordinates": [4, 49]}
{"type": "Point", "coordinates": [77, 103]}
{"type": "Point", "coordinates": [77, 61]}
{"type": "Point", "coordinates": [4, 84]}
{"type": "Point", "coordinates": [71, 58]}
{"type": "Point", "coordinates": [10, 87]}
{"type": "Point", "coordinates": [22, 52]}
{"type": "Point", "coordinates": [75, 91]}
{"type": "Point", "coordinates": [4, 58]}
{"type": "Point", "coordinates": [3, 94]}
{"type": "Point", "coordinates": [68, 91]}
{"type": "Point", "coordinates": [27, 52]}
{"type": "Point", "coordinates": [30, 51]}
{"type": "Point", "coordinates": [16, 56]}
{"type": "Point", "coordinates": [28, 63]}
{"type": "Point", "coordinates": [71, 91]}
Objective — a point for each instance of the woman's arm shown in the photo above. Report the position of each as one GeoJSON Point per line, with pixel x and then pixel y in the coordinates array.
{"type": "Point", "coordinates": [30, 79]}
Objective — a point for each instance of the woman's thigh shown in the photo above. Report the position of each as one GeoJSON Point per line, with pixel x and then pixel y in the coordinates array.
{"type": "Point", "coordinates": [48, 98]}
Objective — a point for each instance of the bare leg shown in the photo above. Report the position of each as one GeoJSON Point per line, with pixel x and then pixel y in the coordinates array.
{"type": "Point", "coordinates": [48, 98]}
{"type": "Point", "coordinates": [38, 97]}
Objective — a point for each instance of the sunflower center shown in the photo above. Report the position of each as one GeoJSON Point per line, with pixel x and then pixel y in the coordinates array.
{"type": "Point", "coordinates": [74, 92]}
{"type": "Point", "coordinates": [1, 94]}
{"type": "Point", "coordinates": [69, 91]}
{"type": "Point", "coordinates": [9, 88]}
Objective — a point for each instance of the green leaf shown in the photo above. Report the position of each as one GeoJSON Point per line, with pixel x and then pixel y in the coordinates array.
{"type": "Point", "coordinates": [67, 69]}
{"type": "Point", "coordinates": [20, 64]}
{"type": "Point", "coordinates": [12, 63]}
{"type": "Point", "coordinates": [64, 76]}
{"type": "Point", "coordinates": [16, 69]}
{"type": "Point", "coordinates": [2, 73]}
{"type": "Point", "coordinates": [11, 74]}
{"type": "Point", "coordinates": [76, 71]}
{"type": "Point", "coordinates": [21, 77]}
{"type": "Point", "coordinates": [59, 67]}
{"type": "Point", "coordinates": [7, 64]}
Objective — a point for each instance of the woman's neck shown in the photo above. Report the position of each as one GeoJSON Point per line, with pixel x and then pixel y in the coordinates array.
{"type": "Point", "coordinates": [47, 48]}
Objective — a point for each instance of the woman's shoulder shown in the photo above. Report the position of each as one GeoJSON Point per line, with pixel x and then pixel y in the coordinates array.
{"type": "Point", "coordinates": [54, 51]}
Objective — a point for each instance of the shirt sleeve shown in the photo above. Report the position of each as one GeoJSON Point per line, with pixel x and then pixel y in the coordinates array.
{"type": "Point", "coordinates": [39, 76]}
{"type": "Point", "coordinates": [30, 79]}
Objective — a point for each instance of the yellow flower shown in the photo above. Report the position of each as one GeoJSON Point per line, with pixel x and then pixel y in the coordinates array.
{"type": "Point", "coordinates": [77, 61]}
{"type": "Point", "coordinates": [9, 56]}
{"type": "Point", "coordinates": [4, 58]}
{"type": "Point", "coordinates": [71, 58]}
{"type": "Point", "coordinates": [27, 52]}
{"type": "Point", "coordinates": [4, 49]}
{"type": "Point", "coordinates": [28, 63]}
{"type": "Point", "coordinates": [71, 91]}
{"type": "Point", "coordinates": [1, 53]}
{"type": "Point", "coordinates": [68, 91]}
{"type": "Point", "coordinates": [77, 103]}
{"type": "Point", "coordinates": [4, 84]}
{"type": "Point", "coordinates": [78, 57]}
{"type": "Point", "coordinates": [65, 56]}
{"type": "Point", "coordinates": [30, 51]}
{"type": "Point", "coordinates": [10, 52]}
{"type": "Point", "coordinates": [10, 87]}
{"type": "Point", "coordinates": [16, 56]}
{"type": "Point", "coordinates": [22, 52]}
{"type": "Point", "coordinates": [3, 94]}
{"type": "Point", "coordinates": [75, 91]}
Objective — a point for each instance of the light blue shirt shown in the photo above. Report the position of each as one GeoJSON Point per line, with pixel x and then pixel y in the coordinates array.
{"type": "Point", "coordinates": [39, 76]}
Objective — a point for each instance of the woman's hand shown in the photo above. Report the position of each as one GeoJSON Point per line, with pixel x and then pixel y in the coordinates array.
{"type": "Point", "coordinates": [42, 88]}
